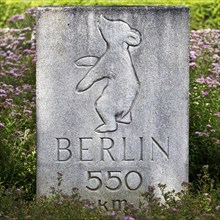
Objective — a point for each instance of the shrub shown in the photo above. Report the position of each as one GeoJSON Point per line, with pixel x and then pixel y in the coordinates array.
{"type": "Point", "coordinates": [204, 13]}
{"type": "Point", "coordinates": [204, 102]}
{"type": "Point", "coordinates": [17, 103]}
{"type": "Point", "coordinates": [176, 205]}
{"type": "Point", "coordinates": [7, 10]}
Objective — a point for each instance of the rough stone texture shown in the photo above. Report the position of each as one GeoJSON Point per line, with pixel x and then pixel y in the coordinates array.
{"type": "Point", "coordinates": [112, 100]}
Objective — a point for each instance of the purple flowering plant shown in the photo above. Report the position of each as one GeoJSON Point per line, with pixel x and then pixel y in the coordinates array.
{"type": "Point", "coordinates": [17, 103]}
{"type": "Point", "coordinates": [204, 102]}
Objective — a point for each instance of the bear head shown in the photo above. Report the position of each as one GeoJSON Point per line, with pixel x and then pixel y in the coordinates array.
{"type": "Point", "coordinates": [116, 32]}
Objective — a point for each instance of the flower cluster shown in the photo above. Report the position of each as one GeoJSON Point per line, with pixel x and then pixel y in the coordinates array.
{"type": "Point", "coordinates": [17, 101]}
{"type": "Point", "coordinates": [17, 72]}
{"type": "Point", "coordinates": [204, 102]}
{"type": "Point", "coordinates": [205, 68]}
{"type": "Point", "coordinates": [17, 97]}
{"type": "Point", "coordinates": [206, 42]}
{"type": "Point", "coordinates": [15, 18]}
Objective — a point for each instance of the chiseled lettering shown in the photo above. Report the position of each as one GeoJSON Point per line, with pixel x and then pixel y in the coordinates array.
{"type": "Point", "coordinates": [102, 204]}
{"type": "Point", "coordinates": [63, 145]}
{"type": "Point", "coordinates": [155, 143]}
{"type": "Point", "coordinates": [142, 148]}
{"type": "Point", "coordinates": [82, 149]}
{"type": "Point", "coordinates": [127, 177]}
{"type": "Point", "coordinates": [124, 146]}
{"type": "Point", "coordinates": [117, 204]}
{"type": "Point", "coordinates": [107, 149]}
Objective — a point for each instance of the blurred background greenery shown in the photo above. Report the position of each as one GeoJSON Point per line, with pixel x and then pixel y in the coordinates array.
{"type": "Point", "coordinates": [18, 115]}
{"type": "Point", "coordinates": [204, 13]}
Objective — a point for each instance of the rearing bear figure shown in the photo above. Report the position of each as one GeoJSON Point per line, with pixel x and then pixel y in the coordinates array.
{"type": "Point", "coordinates": [116, 101]}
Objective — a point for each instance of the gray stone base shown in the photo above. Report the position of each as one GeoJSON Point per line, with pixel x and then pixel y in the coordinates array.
{"type": "Point", "coordinates": [112, 100]}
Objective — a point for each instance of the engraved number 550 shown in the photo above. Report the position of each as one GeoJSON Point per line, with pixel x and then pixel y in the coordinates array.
{"type": "Point", "coordinates": [92, 175]}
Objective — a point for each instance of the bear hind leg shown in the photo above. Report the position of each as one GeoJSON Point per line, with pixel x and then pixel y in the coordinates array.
{"type": "Point", "coordinates": [106, 128]}
{"type": "Point", "coordinates": [107, 117]}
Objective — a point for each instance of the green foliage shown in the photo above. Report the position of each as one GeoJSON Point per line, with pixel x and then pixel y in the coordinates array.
{"type": "Point", "coordinates": [7, 10]}
{"type": "Point", "coordinates": [204, 14]}
{"type": "Point", "coordinates": [204, 102]}
{"type": "Point", "coordinates": [157, 203]}
{"type": "Point", "coordinates": [18, 138]}
{"type": "Point", "coordinates": [17, 106]}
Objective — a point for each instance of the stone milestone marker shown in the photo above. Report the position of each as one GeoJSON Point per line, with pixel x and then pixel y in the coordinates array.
{"type": "Point", "coordinates": [112, 100]}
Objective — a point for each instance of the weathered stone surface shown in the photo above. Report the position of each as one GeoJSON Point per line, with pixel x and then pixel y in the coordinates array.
{"type": "Point", "coordinates": [112, 100]}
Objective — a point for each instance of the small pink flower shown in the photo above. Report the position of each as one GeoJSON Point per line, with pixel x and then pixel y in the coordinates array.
{"type": "Point", "coordinates": [113, 213]}
{"type": "Point", "coordinates": [17, 133]}
{"type": "Point", "coordinates": [89, 206]}
{"type": "Point", "coordinates": [19, 17]}
{"type": "Point", "coordinates": [2, 125]}
{"type": "Point", "coordinates": [204, 93]}
{"type": "Point", "coordinates": [2, 91]}
{"type": "Point", "coordinates": [193, 64]}
{"type": "Point", "coordinates": [15, 17]}
{"type": "Point", "coordinates": [27, 111]}
{"type": "Point", "coordinates": [217, 208]}
{"type": "Point", "coordinates": [194, 47]}
{"type": "Point", "coordinates": [30, 11]}
{"type": "Point", "coordinates": [217, 114]}
{"type": "Point", "coordinates": [173, 209]}
{"type": "Point", "coordinates": [200, 80]}
{"type": "Point", "coordinates": [128, 218]}
{"type": "Point", "coordinates": [199, 134]}
{"type": "Point", "coordinates": [195, 36]}
{"type": "Point", "coordinates": [215, 56]}
{"type": "Point", "coordinates": [193, 55]}
{"type": "Point", "coordinates": [2, 95]}
{"type": "Point", "coordinates": [27, 29]}
{"type": "Point", "coordinates": [21, 38]}
{"type": "Point", "coordinates": [215, 64]}
{"type": "Point", "coordinates": [27, 51]}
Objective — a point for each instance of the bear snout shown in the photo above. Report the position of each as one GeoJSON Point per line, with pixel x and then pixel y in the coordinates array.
{"type": "Point", "coordinates": [102, 22]}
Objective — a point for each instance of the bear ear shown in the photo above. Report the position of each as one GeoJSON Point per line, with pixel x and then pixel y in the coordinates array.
{"type": "Point", "coordinates": [133, 38]}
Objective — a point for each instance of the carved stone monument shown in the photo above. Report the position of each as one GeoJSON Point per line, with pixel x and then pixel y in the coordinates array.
{"type": "Point", "coordinates": [112, 100]}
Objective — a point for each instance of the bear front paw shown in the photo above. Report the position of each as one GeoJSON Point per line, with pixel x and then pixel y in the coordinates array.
{"type": "Point", "coordinates": [82, 86]}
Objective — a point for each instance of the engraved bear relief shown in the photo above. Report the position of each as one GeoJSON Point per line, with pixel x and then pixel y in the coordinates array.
{"type": "Point", "coordinates": [115, 103]}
